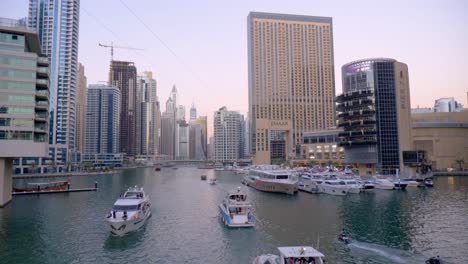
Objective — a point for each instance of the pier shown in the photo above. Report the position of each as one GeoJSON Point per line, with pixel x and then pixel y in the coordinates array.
{"type": "Point", "coordinates": [68, 190]}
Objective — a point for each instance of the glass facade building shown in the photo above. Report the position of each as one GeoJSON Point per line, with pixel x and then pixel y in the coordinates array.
{"type": "Point", "coordinates": [374, 113]}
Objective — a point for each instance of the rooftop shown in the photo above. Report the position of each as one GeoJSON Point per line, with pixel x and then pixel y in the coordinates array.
{"type": "Point", "coordinates": [297, 252]}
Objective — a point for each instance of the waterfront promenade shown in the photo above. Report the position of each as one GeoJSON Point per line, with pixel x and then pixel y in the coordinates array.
{"type": "Point", "coordinates": [62, 174]}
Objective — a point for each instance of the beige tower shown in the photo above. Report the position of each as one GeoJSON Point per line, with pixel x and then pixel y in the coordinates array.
{"type": "Point", "coordinates": [291, 82]}
{"type": "Point", "coordinates": [80, 109]}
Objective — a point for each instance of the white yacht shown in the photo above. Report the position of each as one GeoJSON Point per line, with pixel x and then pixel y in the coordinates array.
{"type": "Point", "coordinates": [280, 181]}
{"type": "Point", "coordinates": [410, 182]}
{"type": "Point", "coordinates": [292, 255]}
{"type": "Point", "coordinates": [384, 184]}
{"type": "Point", "coordinates": [213, 181]}
{"type": "Point", "coordinates": [310, 184]}
{"type": "Point", "coordinates": [129, 212]}
{"type": "Point", "coordinates": [235, 210]}
{"type": "Point", "coordinates": [334, 187]}
{"type": "Point", "coordinates": [353, 185]}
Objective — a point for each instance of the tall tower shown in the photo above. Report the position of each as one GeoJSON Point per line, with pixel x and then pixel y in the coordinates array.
{"type": "Point", "coordinates": [102, 122]}
{"type": "Point", "coordinates": [81, 101]}
{"type": "Point", "coordinates": [291, 82]}
{"type": "Point", "coordinates": [227, 140]}
{"type": "Point", "coordinates": [374, 111]}
{"type": "Point", "coordinates": [123, 74]}
{"type": "Point", "coordinates": [147, 115]}
{"type": "Point", "coordinates": [56, 22]}
{"type": "Point", "coordinates": [193, 112]}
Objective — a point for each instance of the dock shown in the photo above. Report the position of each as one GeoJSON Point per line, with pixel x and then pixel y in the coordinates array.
{"type": "Point", "coordinates": [68, 190]}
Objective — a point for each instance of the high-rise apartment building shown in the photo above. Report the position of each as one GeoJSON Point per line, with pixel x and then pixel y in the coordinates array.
{"type": "Point", "coordinates": [24, 102]}
{"type": "Point", "coordinates": [374, 112]}
{"type": "Point", "coordinates": [81, 101]}
{"type": "Point", "coordinates": [182, 140]}
{"type": "Point", "coordinates": [123, 74]}
{"type": "Point", "coordinates": [56, 22]}
{"type": "Point", "coordinates": [291, 82]}
{"type": "Point", "coordinates": [227, 139]}
{"type": "Point", "coordinates": [102, 119]}
{"type": "Point", "coordinates": [147, 116]}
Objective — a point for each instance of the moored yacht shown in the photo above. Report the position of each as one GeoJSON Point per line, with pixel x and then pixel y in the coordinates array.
{"type": "Point", "coordinates": [271, 181]}
{"type": "Point", "coordinates": [129, 212]}
{"type": "Point", "coordinates": [235, 210]}
{"type": "Point", "coordinates": [384, 184]}
{"type": "Point", "coordinates": [334, 187]}
{"type": "Point", "coordinates": [292, 255]}
{"type": "Point", "coordinates": [353, 185]}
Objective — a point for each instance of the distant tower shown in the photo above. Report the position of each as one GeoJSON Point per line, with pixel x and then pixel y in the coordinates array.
{"type": "Point", "coordinates": [193, 112]}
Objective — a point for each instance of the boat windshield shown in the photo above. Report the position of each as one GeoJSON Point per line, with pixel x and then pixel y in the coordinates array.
{"type": "Point", "coordinates": [125, 207]}
{"type": "Point", "coordinates": [282, 177]}
{"type": "Point", "coordinates": [133, 194]}
{"type": "Point", "coordinates": [350, 182]}
{"type": "Point", "coordinates": [333, 183]}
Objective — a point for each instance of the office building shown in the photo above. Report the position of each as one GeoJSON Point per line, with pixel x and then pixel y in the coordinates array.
{"type": "Point", "coordinates": [321, 147]}
{"type": "Point", "coordinates": [147, 116]}
{"type": "Point", "coordinates": [24, 102]}
{"type": "Point", "coordinates": [123, 74]}
{"type": "Point", "coordinates": [374, 112]}
{"type": "Point", "coordinates": [102, 119]}
{"type": "Point", "coordinates": [447, 105]}
{"type": "Point", "coordinates": [227, 139]}
{"type": "Point", "coordinates": [291, 82]}
{"type": "Point", "coordinates": [81, 101]}
{"type": "Point", "coordinates": [193, 112]}
{"type": "Point", "coordinates": [57, 23]}
{"type": "Point", "coordinates": [182, 140]}
{"type": "Point", "coordinates": [198, 138]}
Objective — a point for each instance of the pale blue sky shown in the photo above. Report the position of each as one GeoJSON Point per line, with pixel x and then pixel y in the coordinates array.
{"type": "Point", "coordinates": [210, 37]}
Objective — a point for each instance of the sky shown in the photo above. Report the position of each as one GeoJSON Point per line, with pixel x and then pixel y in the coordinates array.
{"type": "Point", "coordinates": [201, 46]}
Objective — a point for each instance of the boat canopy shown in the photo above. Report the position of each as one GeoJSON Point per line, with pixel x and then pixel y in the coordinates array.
{"type": "Point", "coordinates": [299, 252]}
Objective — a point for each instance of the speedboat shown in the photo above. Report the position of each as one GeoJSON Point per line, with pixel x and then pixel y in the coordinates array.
{"type": "Point", "coordinates": [334, 187]}
{"type": "Point", "coordinates": [203, 177]}
{"type": "Point", "coordinates": [400, 184]}
{"type": "Point", "coordinates": [235, 210]}
{"type": "Point", "coordinates": [343, 237]}
{"type": "Point", "coordinates": [410, 182]}
{"type": "Point", "coordinates": [428, 182]}
{"type": "Point", "coordinates": [280, 181]}
{"type": "Point", "coordinates": [292, 255]}
{"type": "Point", "coordinates": [368, 185]}
{"type": "Point", "coordinates": [129, 212]}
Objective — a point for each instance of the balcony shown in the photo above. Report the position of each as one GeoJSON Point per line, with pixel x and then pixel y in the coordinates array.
{"type": "Point", "coordinates": [41, 117]}
{"type": "Point", "coordinates": [42, 128]}
{"type": "Point", "coordinates": [43, 60]}
{"type": "Point", "coordinates": [44, 105]}
{"type": "Point", "coordinates": [43, 71]}
{"type": "Point", "coordinates": [42, 94]}
{"type": "Point", "coordinates": [42, 82]}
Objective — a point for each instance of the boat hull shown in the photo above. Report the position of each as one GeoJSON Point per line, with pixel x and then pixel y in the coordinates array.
{"type": "Point", "coordinates": [120, 227]}
{"type": "Point", "coordinates": [309, 188]}
{"type": "Point", "coordinates": [268, 186]}
{"type": "Point", "coordinates": [234, 220]}
{"type": "Point", "coordinates": [333, 190]}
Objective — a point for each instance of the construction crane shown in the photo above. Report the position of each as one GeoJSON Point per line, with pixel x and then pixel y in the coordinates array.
{"type": "Point", "coordinates": [111, 46]}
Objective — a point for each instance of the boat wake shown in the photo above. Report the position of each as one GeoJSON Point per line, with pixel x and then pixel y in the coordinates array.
{"type": "Point", "coordinates": [375, 252]}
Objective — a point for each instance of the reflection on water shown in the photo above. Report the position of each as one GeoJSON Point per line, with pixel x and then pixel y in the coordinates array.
{"type": "Point", "coordinates": [386, 226]}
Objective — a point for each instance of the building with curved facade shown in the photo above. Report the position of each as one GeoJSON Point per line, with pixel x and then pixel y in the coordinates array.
{"type": "Point", "coordinates": [374, 113]}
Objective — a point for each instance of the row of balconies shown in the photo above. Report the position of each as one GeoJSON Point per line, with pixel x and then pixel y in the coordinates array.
{"type": "Point", "coordinates": [354, 95]}
{"type": "Point", "coordinates": [359, 113]}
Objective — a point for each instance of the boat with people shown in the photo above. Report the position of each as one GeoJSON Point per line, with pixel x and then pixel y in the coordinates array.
{"type": "Point", "coordinates": [334, 187]}
{"type": "Point", "coordinates": [235, 210]}
{"type": "Point", "coordinates": [130, 211]}
{"type": "Point", "coordinates": [44, 186]}
{"type": "Point", "coordinates": [213, 181]}
{"type": "Point", "coordinates": [294, 255]}
{"type": "Point", "coordinates": [280, 181]}
{"type": "Point", "coordinates": [343, 236]}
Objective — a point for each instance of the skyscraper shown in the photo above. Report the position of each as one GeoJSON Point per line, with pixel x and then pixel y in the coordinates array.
{"type": "Point", "coordinates": [147, 115]}
{"type": "Point", "coordinates": [374, 111]}
{"type": "Point", "coordinates": [81, 102]}
{"type": "Point", "coordinates": [198, 138]}
{"type": "Point", "coordinates": [193, 112]}
{"type": "Point", "coordinates": [168, 124]}
{"type": "Point", "coordinates": [102, 119]}
{"type": "Point", "coordinates": [291, 81]}
{"type": "Point", "coordinates": [24, 102]}
{"type": "Point", "coordinates": [56, 22]}
{"type": "Point", "coordinates": [123, 74]}
{"type": "Point", "coordinates": [227, 140]}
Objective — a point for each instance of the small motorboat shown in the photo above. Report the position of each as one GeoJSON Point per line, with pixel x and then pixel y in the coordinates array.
{"type": "Point", "coordinates": [129, 212]}
{"type": "Point", "coordinates": [292, 255]}
{"type": "Point", "coordinates": [157, 167]}
{"type": "Point", "coordinates": [344, 238]}
{"type": "Point", "coordinates": [203, 177]}
{"type": "Point", "coordinates": [434, 260]}
{"type": "Point", "coordinates": [212, 181]}
{"type": "Point", "coordinates": [428, 182]}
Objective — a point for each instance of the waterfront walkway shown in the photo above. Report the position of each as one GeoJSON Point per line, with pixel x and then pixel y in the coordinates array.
{"type": "Point", "coordinates": [62, 174]}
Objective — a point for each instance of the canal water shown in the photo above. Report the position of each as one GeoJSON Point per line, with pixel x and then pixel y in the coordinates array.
{"type": "Point", "coordinates": [386, 226]}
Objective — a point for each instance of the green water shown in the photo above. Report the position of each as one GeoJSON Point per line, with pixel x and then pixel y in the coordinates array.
{"type": "Point", "coordinates": [386, 226]}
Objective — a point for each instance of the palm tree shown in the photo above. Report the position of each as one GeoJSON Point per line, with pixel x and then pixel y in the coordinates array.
{"type": "Point", "coordinates": [460, 162]}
